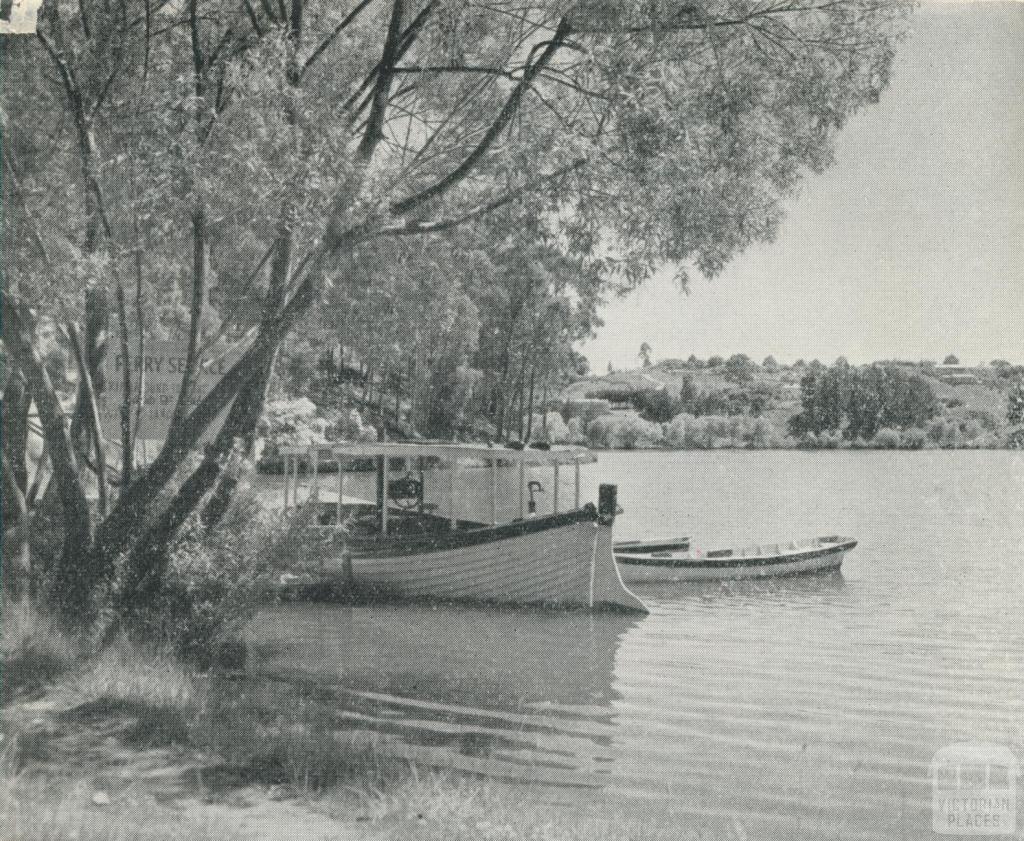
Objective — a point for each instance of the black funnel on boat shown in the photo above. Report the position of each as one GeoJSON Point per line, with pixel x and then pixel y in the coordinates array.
{"type": "Point", "coordinates": [607, 504]}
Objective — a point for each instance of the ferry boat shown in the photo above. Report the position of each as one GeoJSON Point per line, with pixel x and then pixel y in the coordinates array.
{"type": "Point", "coordinates": [453, 522]}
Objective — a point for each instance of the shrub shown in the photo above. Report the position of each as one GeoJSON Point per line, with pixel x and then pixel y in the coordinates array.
{"type": "Point", "coordinates": [971, 430]}
{"type": "Point", "coordinates": [636, 433]}
{"type": "Point", "coordinates": [914, 438]}
{"type": "Point", "coordinates": [601, 432]}
{"type": "Point", "coordinates": [557, 432]}
{"type": "Point", "coordinates": [350, 427]}
{"type": "Point", "coordinates": [585, 410]}
{"type": "Point", "coordinates": [575, 433]}
{"type": "Point", "coordinates": [216, 577]}
{"type": "Point", "coordinates": [696, 434]}
{"type": "Point", "coordinates": [887, 439]}
{"type": "Point", "coordinates": [807, 441]}
{"type": "Point", "coordinates": [937, 430]}
{"type": "Point", "coordinates": [295, 423]}
{"type": "Point", "coordinates": [760, 434]}
{"type": "Point", "coordinates": [675, 433]}
{"type": "Point", "coordinates": [655, 405]}
{"type": "Point", "coordinates": [830, 439]}
{"type": "Point", "coordinates": [986, 420]}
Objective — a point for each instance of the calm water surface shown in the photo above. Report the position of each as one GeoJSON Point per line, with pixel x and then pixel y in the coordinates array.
{"type": "Point", "coordinates": [802, 707]}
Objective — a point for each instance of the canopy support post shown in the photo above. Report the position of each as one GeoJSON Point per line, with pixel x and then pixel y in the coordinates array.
{"type": "Point", "coordinates": [522, 487]}
{"type": "Point", "coordinates": [382, 499]}
{"type": "Point", "coordinates": [577, 466]}
{"type": "Point", "coordinates": [341, 486]}
{"type": "Point", "coordinates": [555, 499]}
{"type": "Point", "coordinates": [419, 495]}
{"type": "Point", "coordinates": [494, 492]}
{"type": "Point", "coordinates": [453, 520]}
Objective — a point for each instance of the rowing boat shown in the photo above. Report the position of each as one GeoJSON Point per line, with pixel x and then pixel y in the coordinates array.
{"type": "Point", "coordinates": [815, 555]}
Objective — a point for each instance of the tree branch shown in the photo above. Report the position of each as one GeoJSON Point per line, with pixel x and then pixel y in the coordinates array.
{"type": "Point", "coordinates": [414, 227]}
{"type": "Point", "coordinates": [92, 414]}
{"type": "Point", "coordinates": [326, 43]}
{"type": "Point", "coordinates": [382, 84]}
{"type": "Point", "coordinates": [500, 122]}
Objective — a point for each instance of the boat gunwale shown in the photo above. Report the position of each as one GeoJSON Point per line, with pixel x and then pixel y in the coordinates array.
{"type": "Point", "coordinates": [447, 541]}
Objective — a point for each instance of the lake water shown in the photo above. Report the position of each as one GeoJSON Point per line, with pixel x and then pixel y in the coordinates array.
{"type": "Point", "coordinates": [802, 707]}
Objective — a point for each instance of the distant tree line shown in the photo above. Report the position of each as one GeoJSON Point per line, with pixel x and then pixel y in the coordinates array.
{"type": "Point", "coordinates": [659, 405]}
{"type": "Point", "coordinates": [859, 402]}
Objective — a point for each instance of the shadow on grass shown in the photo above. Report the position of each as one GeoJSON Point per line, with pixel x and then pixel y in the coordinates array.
{"type": "Point", "coordinates": [142, 724]}
{"type": "Point", "coordinates": [270, 734]}
{"type": "Point", "coordinates": [26, 672]}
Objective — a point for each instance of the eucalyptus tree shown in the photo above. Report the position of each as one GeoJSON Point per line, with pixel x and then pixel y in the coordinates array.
{"type": "Point", "coordinates": [279, 145]}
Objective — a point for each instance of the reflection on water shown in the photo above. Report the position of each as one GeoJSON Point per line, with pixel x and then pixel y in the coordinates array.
{"type": "Point", "coordinates": [531, 691]}
{"type": "Point", "coordinates": [798, 706]}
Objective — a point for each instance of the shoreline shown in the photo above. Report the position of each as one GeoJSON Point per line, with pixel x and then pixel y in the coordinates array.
{"type": "Point", "coordinates": [129, 745]}
{"type": "Point", "coordinates": [846, 448]}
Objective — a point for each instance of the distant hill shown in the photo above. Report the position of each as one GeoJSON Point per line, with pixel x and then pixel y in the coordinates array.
{"type": "Point", "coordinates": [738, 402]}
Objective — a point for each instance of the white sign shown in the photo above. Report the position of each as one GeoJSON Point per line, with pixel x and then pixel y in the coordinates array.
{"type": "Point", "coordinates": [163, 366]}
{"type": "Point", "coordinates": [18, 17]}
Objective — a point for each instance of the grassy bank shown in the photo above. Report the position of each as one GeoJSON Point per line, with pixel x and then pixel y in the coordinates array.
{"type": "Point", "coordinates": [129, 744]}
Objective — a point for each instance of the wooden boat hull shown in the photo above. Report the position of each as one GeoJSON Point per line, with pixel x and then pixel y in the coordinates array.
{"type": "Point", "coordinates": [820, 555]}
{"type": "Point", "coordinates": [562, 559]}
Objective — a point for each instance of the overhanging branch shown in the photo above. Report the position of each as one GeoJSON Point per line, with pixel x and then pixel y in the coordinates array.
{"type": "Point", "coordinates": [417, 226]}
{"type": "Point", "coordinates": [506, 114]}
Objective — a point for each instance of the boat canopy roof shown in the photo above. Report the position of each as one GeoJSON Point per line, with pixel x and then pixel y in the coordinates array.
{"type": "Point", "coordinates": [447, 452]}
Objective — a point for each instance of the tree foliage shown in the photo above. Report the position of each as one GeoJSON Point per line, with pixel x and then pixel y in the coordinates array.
{"type": "Point", "coordinates": [277, 154]}
{"type": "Point", "coordinates": [1015, 404]}
{"type": "Point", "coordinates": [858, 402]}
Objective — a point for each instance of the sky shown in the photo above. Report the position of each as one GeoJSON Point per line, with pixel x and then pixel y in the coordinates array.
{"type": "Point", "coordinates": [910, 247]}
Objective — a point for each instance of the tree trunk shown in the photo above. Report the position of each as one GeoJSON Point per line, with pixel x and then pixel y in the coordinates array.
{"type": "Point", "coordinates": [147, 560]}
{"type": "Point", "coordinates": [17, 559]}
{"type": "Point", "coordinates": [16, 403]}
{"type": "Point", "coordinates": [200, 263]}
{"type": "Point", "coordinates": [125, 522]}
{"type": "Point", "coordinates": [92, 416]}
{"type": "Point", "coordinates": [140, 389]}
{"type": "Point", "coordinates": [77, 574]}
{"type": "Point", "coordinates": [255, 397]}
{"type": "Point", "coordinates": [145, 567]}
{"type": "Point", "coordinates": [127, 445]}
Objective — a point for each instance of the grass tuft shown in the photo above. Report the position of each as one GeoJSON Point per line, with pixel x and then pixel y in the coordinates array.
{"type": "Point", "coordinates": [33, 650]}
{"type": "Point", "coordinates": [145, 676]}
